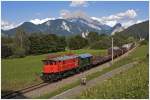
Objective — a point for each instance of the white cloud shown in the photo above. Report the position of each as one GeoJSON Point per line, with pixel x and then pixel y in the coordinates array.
{"type": "Point", "coordinates": [74, 14]}
{"type": "Point", "coordinates": [129, 14]}
{"type": "Point", "coordinates": [111, 23]}
{"type": "Point", "coordinates": [77, 3]}
{"type": "Point", "coordinates": [95, 18]}
{"type": "Point", "coordinates": [126, 18]}
{"type": "Point", "coordinates": [65, 14]}
{"type": "Point", "coordinates": [131, 22]}
{"type": "Point", "coordinates": [5, 25]}
{"type": "Point", "coordinates": [139, 21]}
{"type": "Point", "coordinates": [40, 21]}
{"type": "Point", "coordinates": [128, 23]}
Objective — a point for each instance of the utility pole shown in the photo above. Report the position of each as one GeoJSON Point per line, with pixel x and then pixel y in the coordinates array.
{"type": "Point", "coordinates": [112, 52]}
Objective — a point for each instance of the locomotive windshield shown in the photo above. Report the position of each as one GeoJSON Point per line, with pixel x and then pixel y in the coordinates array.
{"type": "Point", "coordinates": [48, 62]}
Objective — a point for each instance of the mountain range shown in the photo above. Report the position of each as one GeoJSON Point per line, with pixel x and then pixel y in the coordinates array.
{"type": "Point", "coordinates": [69, 26]}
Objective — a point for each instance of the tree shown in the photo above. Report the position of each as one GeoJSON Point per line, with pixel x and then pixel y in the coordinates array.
{"type": "Point", "coordinates": [6, 51]}
{"type": "Point", "coordinates": [92, 37]}
{"type": "Point", "coordinates": [130, 39]}
{"type": "Point", "coordinates": [46, 43]}
{"type": "Point", "coordinates": [77, 42]}
{"type": "Point", "coordinates": [21, 42]}
{"type": "Point", "coordinates": [6, 40]}
{"type": "Point", "coordinates": [103, 43]}
{"type": "Point", "coordinates": [61, 43]}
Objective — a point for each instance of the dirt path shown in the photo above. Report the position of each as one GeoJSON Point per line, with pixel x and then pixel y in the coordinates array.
{"type": "Point", "coordinates": [54, 86]}
{"type": "Point", "coordinates": [71, 93]}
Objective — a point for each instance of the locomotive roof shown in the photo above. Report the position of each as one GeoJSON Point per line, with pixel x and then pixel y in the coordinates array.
{"type": "Point", "coordinates": [86, 55]}
{"type": "Point", "coordinates": [64, 58]}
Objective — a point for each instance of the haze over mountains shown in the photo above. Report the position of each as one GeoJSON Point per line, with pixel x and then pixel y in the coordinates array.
{"type": "Point", "coordinates": [67, 26]}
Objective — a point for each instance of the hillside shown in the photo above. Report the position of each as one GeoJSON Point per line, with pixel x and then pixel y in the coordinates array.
{"type": "Point", "coordinates": [140, 30]}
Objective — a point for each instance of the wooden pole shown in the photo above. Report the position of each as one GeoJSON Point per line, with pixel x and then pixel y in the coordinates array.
{"type": "Point", "coordinates": [112, 51]}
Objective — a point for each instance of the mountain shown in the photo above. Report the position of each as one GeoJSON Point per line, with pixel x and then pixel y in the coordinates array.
{"type": "Point", "coordinates": [91, 23]}
{"type": "Point", "coordinates": [27, 26]}
{"type": "Point", "coordinates": [64, 27]}
{"type": "Point", "coordinates": [117, 28]}
{"type": "Point", "coordinates": [140, 30]}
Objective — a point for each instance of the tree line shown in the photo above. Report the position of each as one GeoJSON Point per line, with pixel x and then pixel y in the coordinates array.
{"type": "Point", "coordinates": [23, 44]}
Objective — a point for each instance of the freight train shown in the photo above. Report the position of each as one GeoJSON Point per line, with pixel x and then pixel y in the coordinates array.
{"type": "Point", "coordinates": [58, 67]}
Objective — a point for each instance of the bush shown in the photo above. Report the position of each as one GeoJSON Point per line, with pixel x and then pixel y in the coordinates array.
{"type": "Point", "coordinates": [144, 42]}
{"type": "Point", "coordinates": [6, 51]}
{"type": "Point", "coordinates": [102, 44]}
{"type": "Point", "coordinates": [19, 52]}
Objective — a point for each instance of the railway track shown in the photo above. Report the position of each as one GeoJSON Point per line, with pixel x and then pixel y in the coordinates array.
{"type": "Point", "coordinates": [24, 90]}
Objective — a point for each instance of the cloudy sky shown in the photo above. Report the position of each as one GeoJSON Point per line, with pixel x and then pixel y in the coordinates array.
{"type": "Point", "coordinates": [107, 12]}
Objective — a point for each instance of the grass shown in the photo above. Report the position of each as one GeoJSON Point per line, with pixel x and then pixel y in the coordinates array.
{"type": "Point", "coordinates": [60, 90]}
{"type": "Point", "coordinates": [139, 54]}
{"type": "Point", "coordinates": [21, 72]}
{"type": "Point", "coordinates": [132, 84]}
{"type": "Point", "coordinates": [91, 51]}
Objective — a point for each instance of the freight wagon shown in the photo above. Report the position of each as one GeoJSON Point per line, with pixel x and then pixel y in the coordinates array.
{"type": "Point", "coordinates": [116, 51]}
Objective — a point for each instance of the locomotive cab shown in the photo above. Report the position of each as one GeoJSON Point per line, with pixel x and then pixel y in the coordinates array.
{"type": "Point", "coordinates": [56, 67]}
{"type": "Point", "coordinates": [50, 66]}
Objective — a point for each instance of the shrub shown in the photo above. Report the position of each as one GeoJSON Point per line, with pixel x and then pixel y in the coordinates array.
{"type": "Point", "coordinates": [6, 51]}
{"type": "Point", "coordinates": [19, 52]}
{"type": "Point", "coordinates": [144, 42]}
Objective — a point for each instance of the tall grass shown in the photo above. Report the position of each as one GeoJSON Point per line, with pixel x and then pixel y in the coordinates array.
{"type": "Point", "coordinates": [132, 84]}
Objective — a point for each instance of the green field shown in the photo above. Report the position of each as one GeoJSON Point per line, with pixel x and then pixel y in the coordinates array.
{"type": "Point", "coordinates": [130, 84]}
{"type": "Point", "coordinates": [22, 72]}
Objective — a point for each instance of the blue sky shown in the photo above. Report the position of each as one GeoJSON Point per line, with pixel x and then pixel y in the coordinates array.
{"type": "Point", "coordinates": [16, 12]}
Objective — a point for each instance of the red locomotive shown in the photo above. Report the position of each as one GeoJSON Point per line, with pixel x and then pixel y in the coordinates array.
{"type": "Point", "coordinates": [56, 66]}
